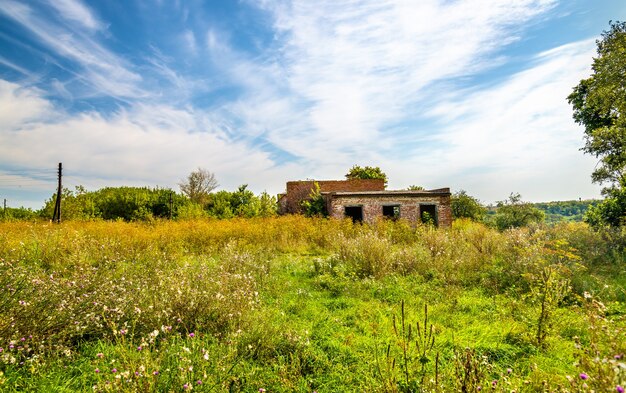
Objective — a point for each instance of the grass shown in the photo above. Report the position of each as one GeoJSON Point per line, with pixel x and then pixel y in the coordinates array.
{"type": "Point", "coordinates": [294, 304]}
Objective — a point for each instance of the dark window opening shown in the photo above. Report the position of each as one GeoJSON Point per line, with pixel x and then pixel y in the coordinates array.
{"type": "Point", "coordinates": [355, 213]}
{"type": "Point", "coordinates": [392, 212]}
{"type": "Point", "coordinates": [428, 214]}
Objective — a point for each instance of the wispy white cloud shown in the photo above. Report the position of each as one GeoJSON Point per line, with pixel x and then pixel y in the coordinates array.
{"type": "Point", "coordinates": [21, 106]}
{"type": "Point", "coordinates": [189, 41]}
{"type": "Point", "coordinates": [517, 135]}
{"type": "Point", "coordinates": [143, 145]}
{"type": "Point", "coordinates": [103, 70]}
{"type": "Point", "coordinates": [355, 68]}
{"type": "Point", "coordinates": [76, 12]}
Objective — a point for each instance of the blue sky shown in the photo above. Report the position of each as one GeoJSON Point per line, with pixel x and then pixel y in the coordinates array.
{"type": "Point", "coordinates": [468, 94]}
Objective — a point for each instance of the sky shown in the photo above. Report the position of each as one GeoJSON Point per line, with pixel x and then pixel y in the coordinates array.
{"type": "Point", "coordinates": [466, 94]}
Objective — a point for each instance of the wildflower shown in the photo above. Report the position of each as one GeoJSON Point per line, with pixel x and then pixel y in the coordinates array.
{"type": "Point", "coordinates": [122, 331]}
{"type": "Point", "coordinates": [479, 388]}
{"type": "Point", "coordinates": [97, 370]}
{"type": "Point", "coordinates": [23, 338]}
{"type": "Point", "coordinates": [619, 389]}
{"type": "Point", "coordinates": [192, 335]}
{"type": "Point", "coordinates": [617, 357]}
{"type": "Point", "coordinates": [137, 373]}
{"type": "Point", "coordinates": [583, 376]}
{"type": "Point", "coordinates": [509, 370]}
{"type": "Point", "coordinates": [1, 350]}
{"type": "Point", "coordinates": [100, 355]}
{"type": "Point", "coordinates": [114, 370]}
{"type": "Point", "coordinates": [155, 372]}
{"type": "Point", "coordinates": [494, 383]}
{"type": "Point", "coordinates": [199, 382]}
{"type": "Point", "coordinates": [261, 390]}
{"type": "Point", "coordinates": [139, 348]}
{"type": "Point", "coordinates": [185, 386]}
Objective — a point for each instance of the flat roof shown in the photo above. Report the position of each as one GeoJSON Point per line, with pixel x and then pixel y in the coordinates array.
{"type": "Point", "coordinates": [437, 192]}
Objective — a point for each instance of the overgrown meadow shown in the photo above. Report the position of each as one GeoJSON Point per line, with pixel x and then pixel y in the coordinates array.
{"type": "Point", "coordinates": [296, 304]}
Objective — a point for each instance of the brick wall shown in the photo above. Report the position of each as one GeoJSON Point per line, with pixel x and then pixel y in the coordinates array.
{"type": "Point", "coordinates": [409, 206]}
{"type": "Point", "coordinates": [297, 191]}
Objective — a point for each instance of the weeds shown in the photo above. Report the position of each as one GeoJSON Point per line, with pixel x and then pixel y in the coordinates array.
{"type": "Point", "coordinates": [283, 304]}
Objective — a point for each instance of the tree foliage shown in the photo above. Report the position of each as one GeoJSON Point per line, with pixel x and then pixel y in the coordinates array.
{"type": "Point", "coordinates": [199, 185]}
{"type": "Point", "coordinates": [514, 213]}
{"type": "Point", "coordinates": [565, 210]}
{"type": "Point", "coordinates": [599, 104]}
{"type": "Point", "coordinates": [143, 203]}
{"type": "Point", "coordinates": [609, 212]}
{"type": "Point", "coordinates": [240, 203]}
{"type": "Point", "coordinates": [466, 206]}
{"type": "Point", "coordinates": [366, 172]}
{"type": "Point", "coordinates": [315, 205]}
{"type": "Point", "coordinates": [115, 203]}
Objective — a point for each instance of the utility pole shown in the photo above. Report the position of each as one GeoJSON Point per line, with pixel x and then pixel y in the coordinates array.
{"type": "Point", "coordinates": [5, 208]}
{"type": "Point", "coordinates": [56, 216]}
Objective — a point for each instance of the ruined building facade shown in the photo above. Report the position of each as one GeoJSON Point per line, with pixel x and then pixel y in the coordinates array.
{"type": "Point", "coordinates": [367, 200]}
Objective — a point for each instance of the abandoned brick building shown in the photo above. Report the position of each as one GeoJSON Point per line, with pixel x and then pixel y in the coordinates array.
{"type": "Point", "coordinates": [367, 200]}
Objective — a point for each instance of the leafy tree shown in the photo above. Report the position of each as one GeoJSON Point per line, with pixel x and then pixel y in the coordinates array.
{"type": "Point", "coordinates": [599, 104]}
{"type": "Point", "coordinates": [315, 205]}
{"type": "Point", "coordinates": [609, 212]}
{"type": "Point", "coordinates": [240, 203]}
{"type": "Point", "coordinates": [199, 185]}
{"type": "Point", "coordinates": [75, 205]}
{"type": "Point", "coordinates": [367, 172]}
{"type": "Point", "coordinates": [415, 188]}
{"type": "Point", "coordinates": [466, 206]}
{"type": "Point", "coordinates": [514, 213]}
{"type": "Point", "coordinates": [18, 213]}
{"type": "Point", "coordinates": [113, 203]}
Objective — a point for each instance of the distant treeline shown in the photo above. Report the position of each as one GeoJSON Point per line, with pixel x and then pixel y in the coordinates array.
{"type": "Point", "coordinates": [565, 210]}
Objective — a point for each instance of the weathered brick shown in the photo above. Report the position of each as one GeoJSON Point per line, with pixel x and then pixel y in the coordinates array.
{"type": "Point", "coordinates": [370, 195]}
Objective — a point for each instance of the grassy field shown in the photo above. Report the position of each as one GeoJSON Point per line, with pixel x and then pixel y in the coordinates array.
{"type": "Point", "coordinates": [294, 304]}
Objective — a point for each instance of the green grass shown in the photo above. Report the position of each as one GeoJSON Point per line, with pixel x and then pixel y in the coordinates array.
{"type": "Point", "coordinates": [293, 304]}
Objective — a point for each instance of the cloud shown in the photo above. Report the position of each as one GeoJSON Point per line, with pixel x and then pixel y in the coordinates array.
{"type": "Point", "coordinates": [143, 145]}
{"type": "Point", "coordinates": [20, 106]}
{"type": "Point", "coordinates": [77, 12]}
{"type": "Point", "coordinates": [102, 70]}
{"type": "Point", "coordinates": [341, 76]}
{"type": "Point", "coordinates": [517, 135]}
{"type": "Point", "coordinates": [189, 41]}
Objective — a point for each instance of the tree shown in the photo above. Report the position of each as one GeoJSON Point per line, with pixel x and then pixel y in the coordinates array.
{"type": "Point", "coordinates": [367, 172]}
{"type": "Point", "coordinates": [599, 104]}
{"type": "Point", "coordinates": [199, 185]}
{"type": "Point", "coordinates": [415, 188]}
{"type": "Point", "coordinates": [465, 206]}
{"type": "Point", "coordinates": [514, 213]}
{"type": "Point", "coordinates": [315, 205]}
